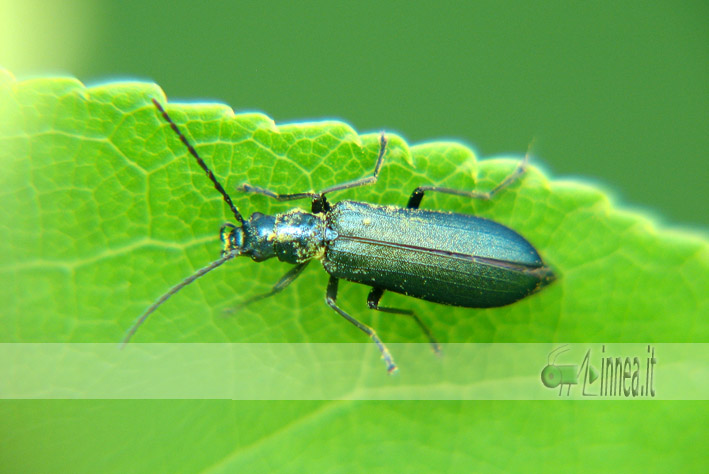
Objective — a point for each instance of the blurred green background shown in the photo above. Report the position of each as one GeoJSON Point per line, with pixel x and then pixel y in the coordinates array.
{"type": "Point", "coordinates": [615, 93]}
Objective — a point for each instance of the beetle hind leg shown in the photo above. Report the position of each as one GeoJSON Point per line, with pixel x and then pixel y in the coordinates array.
{"type": "Point", "coordinates": [373, 302]}
{"type": "Point", "coordinates": [331, 300]}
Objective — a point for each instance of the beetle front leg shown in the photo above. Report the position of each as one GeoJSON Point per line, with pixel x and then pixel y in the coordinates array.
{"type": "Point", "coordinates": [319, 203]}
{"type": "Point", "coordinates": [331, 300]}
{"type": "Point", "coordinates": [373, 302]}
{"type": "Point", "coordinates": [363, 181]}
{"type": "Point", "coordinates": [247, 188]}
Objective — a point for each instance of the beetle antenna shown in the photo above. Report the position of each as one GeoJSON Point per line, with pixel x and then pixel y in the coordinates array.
{"type": "Point", "coordinates": [558, 353]}
{"type": "Point", "coordinates": [201, 162]}
{"type": "Point", "coordinates": [141, 319]}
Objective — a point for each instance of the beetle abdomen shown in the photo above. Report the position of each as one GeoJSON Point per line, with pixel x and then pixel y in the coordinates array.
{"type": "Point", "coordinates": [442, 257]}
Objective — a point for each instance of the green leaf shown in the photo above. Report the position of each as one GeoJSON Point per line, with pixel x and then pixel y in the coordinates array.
{"type": "Point", "coordinates": [103, 210]}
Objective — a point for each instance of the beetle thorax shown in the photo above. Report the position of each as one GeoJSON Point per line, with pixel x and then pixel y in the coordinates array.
{"type": "Point", "coordinates": [299, 236]}
{"type": "Point", "coordinates": [294, 237]}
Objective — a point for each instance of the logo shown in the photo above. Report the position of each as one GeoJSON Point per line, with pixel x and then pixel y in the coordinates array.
{"type": "Point", "coordinates": [619, 376]}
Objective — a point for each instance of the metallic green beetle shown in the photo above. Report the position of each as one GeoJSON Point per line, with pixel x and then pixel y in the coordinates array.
{"type": "Point", "coordinates": [447, 258]}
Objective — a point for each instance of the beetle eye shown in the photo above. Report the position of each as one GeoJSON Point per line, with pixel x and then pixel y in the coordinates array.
{"type": "Point", "coordinates": [232, 238]}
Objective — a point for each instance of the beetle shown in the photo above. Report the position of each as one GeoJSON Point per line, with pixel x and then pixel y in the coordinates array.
{"type": "Point", "coordinates": [443, 257]}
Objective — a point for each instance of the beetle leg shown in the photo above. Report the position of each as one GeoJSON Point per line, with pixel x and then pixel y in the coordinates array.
{"type": "Point", "coordinates": [363, 181]}
{"type": "Point", "coordinates": [320, 204]}
{"type": "Point", "coordinates": [373, 302]}
{"type": "Point", "coordinates": [331, 300]}
{"type": "Point", "coordinates": [247, 188]}
{"type": "Point", "coordinates": [417, 195]}
{"type": "Point", "coordinates": [285, 280]}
